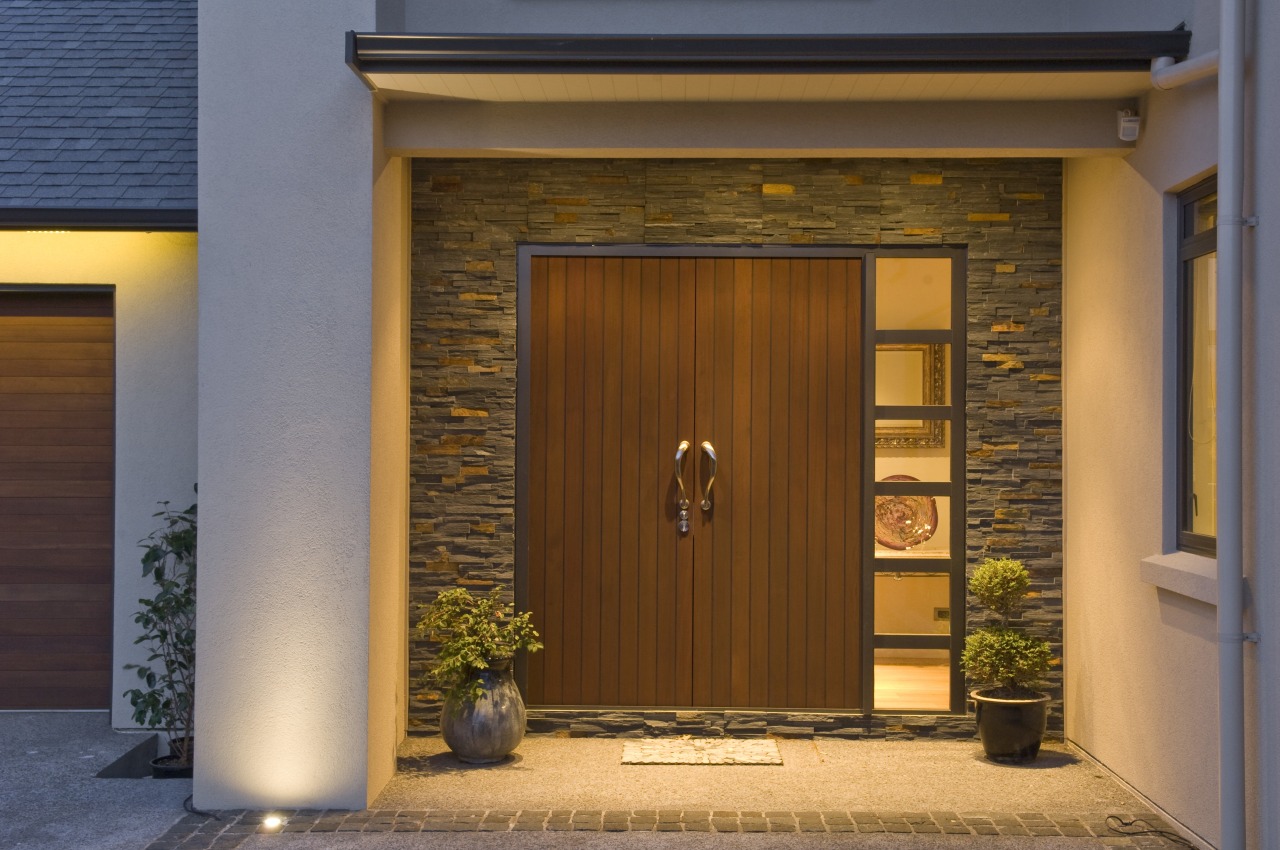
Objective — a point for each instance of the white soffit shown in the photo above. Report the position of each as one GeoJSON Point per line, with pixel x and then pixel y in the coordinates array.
{"type": "Point", "coordinates": [760, 88]}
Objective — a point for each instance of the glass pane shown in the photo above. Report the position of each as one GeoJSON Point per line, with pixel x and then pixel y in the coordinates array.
{"type": "Point", "coordinates": [913, 450]}
{"type": "Point", "coordinates": [913, 293]}
{"type": "Point", "coordinates": [913, 603]}
{"type": "Point", "coordinates": [912, 373]}
{"type": "Point", "coordinates": [912, 680]}
{"type": "Point", "coordinates": [1201, 401]}
{"type": "Point", "coordinates": [912, 527]}
{"type": "Point", "coordinates": [1202, 215]}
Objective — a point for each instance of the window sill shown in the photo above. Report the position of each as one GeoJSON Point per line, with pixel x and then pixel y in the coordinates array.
{"type": "Point", "coordinates": [1193, 576]}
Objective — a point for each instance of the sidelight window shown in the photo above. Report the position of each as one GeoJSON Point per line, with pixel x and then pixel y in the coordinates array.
{"type": "Point", "coordinates": [1197, 357]}
{"type": "Point", "coordinates": [915, 533]}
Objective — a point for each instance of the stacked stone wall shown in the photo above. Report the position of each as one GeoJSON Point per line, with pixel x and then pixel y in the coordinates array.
{"type": "Point", "coordinates": [469, 216]}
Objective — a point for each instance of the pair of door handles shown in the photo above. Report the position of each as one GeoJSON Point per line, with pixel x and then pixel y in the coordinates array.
{"type": "Point", "coordinates": [682, 501]}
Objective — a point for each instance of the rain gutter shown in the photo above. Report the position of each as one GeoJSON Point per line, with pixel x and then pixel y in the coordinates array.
{"type": "Point", "coordinates": [401, 53]}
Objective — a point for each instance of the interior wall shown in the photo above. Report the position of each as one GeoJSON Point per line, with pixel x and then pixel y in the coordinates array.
{"type": "Point", "coordinates": [1134, 647]}
{"type": "Point", "coordinates": [154, 275]}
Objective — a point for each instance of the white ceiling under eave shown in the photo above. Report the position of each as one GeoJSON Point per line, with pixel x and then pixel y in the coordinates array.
{"type": "Point", "coordinates": [761, 88]}
{"type": "Point", "coordinates": [1070, 128]}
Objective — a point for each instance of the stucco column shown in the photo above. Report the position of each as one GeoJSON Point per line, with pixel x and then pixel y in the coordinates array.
{"type": "Point", "coordinates": [286, 339]}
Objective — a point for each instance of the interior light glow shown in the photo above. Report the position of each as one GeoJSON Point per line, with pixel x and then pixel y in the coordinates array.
{"type": "Point", "coordinates": [272, 822]}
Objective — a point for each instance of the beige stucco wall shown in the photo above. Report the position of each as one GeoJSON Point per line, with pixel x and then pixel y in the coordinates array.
{"type": "Point", "coordinates": [1141, 666]}
{"type": "Point", "coordinates": [1144, 700]}
{"type": "Point", "coordinates": [389, 482]}
{"type": "Point", "coordinates": [154, 275]}
{"type": "Point", "coordinates": [296, 439]}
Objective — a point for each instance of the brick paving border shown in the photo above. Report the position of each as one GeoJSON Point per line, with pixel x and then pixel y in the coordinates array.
{"type": "Point", "coordinates": [195, 832]}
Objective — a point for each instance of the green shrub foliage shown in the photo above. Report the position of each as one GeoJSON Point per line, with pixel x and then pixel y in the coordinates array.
{"type": "Point", "coordinates": [168, 622]}
{"type": "Point", "coordinates": [1001, 655]}
{"type": "Point", "coordinates": [1001, 584]}
{"type": "Point", "coordinates": [473, 632]}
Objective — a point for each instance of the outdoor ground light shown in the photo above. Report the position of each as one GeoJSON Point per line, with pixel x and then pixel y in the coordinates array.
{"type": "Point", "coordinates": [273, 822]}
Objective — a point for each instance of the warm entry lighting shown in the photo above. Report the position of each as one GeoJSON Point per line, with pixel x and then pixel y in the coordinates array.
{"type": "Point", "coordinates": [272, 822]}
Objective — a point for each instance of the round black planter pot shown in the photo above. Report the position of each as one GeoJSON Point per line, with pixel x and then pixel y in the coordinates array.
{"type": "Point", "coordinates": [1011, 729]}
{"type": "Point", "coordinates": [168, 767]}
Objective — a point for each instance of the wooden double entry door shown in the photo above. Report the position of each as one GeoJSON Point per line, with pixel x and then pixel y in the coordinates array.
{"type": "Point", "coordinates": [690, 448]}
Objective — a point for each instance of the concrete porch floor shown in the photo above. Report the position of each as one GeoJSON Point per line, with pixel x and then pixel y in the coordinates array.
{"type": "Point", "coordinates": [561, 792]}
{"type": "Point", "coordinates": [819, 774]}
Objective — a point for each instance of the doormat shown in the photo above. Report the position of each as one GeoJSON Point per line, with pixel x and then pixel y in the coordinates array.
{"type": "Point", "coordinates": [700, 751]}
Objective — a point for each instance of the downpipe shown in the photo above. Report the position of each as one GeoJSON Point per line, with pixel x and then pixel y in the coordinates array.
{"type": "Point", "coordinates": [1167, 74]}
{"type": "Point", "coordinates": [1230, 461]}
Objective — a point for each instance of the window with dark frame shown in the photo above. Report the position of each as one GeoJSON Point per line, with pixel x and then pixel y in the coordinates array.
{"type": "Point", "coordinates": [1197, 362]}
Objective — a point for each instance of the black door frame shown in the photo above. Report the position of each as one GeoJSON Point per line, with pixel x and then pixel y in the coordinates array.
{"type": "Point", "coordinates": [954, 413]}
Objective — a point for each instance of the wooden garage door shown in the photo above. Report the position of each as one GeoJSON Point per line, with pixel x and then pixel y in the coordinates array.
{"type": "Point", "coordinates": [757, 604]}
{"type": "Point", "coordinates": [56, 452]}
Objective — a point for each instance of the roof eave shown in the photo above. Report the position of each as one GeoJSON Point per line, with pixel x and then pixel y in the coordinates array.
{"type": "Point", "coordinates": [98, 218]}
{"type": "Point", "coordinates": [372, 53]}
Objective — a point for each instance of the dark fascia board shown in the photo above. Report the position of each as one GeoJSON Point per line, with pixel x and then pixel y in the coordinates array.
{"type": "Point", "coordinates": [96, 218]}
{"type": "Point", "coordinates": [407, 53]}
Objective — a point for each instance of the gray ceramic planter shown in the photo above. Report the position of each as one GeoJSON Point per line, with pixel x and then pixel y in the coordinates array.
{"type": "Point", "coordinates": [487, 730]}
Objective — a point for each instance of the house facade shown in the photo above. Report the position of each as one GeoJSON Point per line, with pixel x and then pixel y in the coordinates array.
{"type": "Point", "coordinates": [913, 293]}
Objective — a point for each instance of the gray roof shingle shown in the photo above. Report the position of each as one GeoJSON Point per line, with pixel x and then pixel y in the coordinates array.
{"type": "Point", "coordinates": [98, 104]}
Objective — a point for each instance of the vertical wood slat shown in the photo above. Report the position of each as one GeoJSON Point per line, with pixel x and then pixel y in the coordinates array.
{"type": "Point", "coordinates": [720, 521]}
{"type": "Point", "coordinates": [629, 648]}
{"type": "Point", "coordinates": [739, 480]}
{"type": "Point", "coordinates": [760, 523]}
{"type": "Point", "coordinates": [853, 488]}
{"type": "Point", "coordinates": [650, 490]}
{"type": "Point", "coordinates": [555, 492]}
{"type": "Point", "coordinates": [815, 476]}
{"type": "Point", "coordinates": [837, 458]}
{"type": "Point", "coordinates": [592, 495]}
{"type": "Point", "coordinates": [668, 436]}
{"type": "Point", "coordinates": [692, 653]}
{"type": "Point", "coordinates": [536, 507]}
{"type": "Point", "coordinates": [57, 514]}
{"type": "Point", "coordinates": [574, 427]}
{"type": "Point", "coordinates": [779, 580]}
{"type": "Point", "coordinates": [610, 565]}
{"type": "Point", "coordinates": [797, 491]}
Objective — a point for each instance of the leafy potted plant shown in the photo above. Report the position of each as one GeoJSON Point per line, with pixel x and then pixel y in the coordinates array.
{"type": "Point", "coordinates": [166, 701]}
{"type": "Point", "coordinates": [483, 716]}
{"type": "Point", "coordinates": [1011, 713]}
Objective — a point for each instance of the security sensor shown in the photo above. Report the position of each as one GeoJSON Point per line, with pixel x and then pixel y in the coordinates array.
{"type": "Point", "coordinates": [1127, 125]}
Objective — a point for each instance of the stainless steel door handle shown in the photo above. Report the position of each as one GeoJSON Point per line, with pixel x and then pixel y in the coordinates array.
{"type": "Point", "coordinates": [682, 501]}
{"type": "Point", "coordinates": [710, 452]}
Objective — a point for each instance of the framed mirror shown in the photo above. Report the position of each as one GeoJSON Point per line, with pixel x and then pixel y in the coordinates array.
{"type": "Point", "coordinates": [911, 374]}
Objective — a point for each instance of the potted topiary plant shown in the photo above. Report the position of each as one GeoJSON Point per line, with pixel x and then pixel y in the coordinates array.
{"type": "Point", "coordinates": [1011, 713]}
{"type": "Point", "coordinates": [168, 621]}
{"type": "Point", "coordinates": [483, 716]}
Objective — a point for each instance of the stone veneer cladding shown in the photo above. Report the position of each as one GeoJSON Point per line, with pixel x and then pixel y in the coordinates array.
{"type": "Point", "coordinates": [469, 215]}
